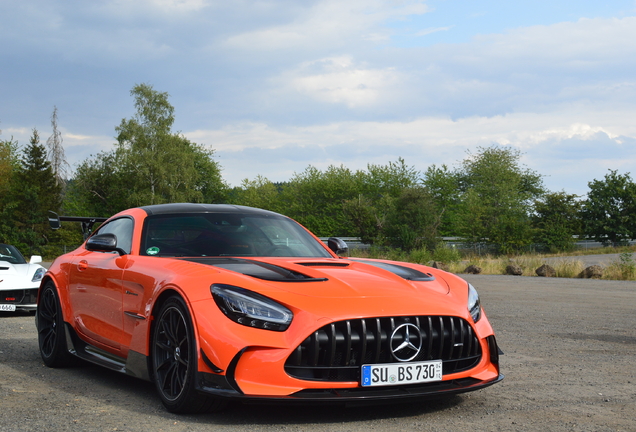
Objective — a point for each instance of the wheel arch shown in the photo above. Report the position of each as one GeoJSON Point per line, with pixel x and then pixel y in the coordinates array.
{"type": "Point", "coordinates": [156, 307]}
{"type": "Point", "coordinates": [187, 398]}
{"type": "Point", "coordinates": [62, 295]}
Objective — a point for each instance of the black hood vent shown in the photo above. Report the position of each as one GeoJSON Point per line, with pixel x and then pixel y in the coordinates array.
{"type": "Point", "coordinates": [403, 272]}
{"type": "Point", "coordinates": [257, 269]}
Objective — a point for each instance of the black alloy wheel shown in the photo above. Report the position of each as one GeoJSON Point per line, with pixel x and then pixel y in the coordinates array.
{"type": "Point", "coordinates": [174, 360]}
{"type": "Point", "coordinates": [50, 326]}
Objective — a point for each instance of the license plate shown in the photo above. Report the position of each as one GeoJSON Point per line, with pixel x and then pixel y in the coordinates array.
{"type": "Point", "coordinates": [7, 308]}
{"type": "Point", "coordinates": [401, 373]}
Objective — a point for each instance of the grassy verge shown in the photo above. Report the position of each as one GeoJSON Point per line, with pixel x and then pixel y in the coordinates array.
{"type": "Point", "coordinates": [623, 268]}
{"type": "Point", "coordinates": [567, 268]}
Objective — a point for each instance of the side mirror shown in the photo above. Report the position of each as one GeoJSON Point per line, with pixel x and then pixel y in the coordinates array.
{"type": "Point", "coordinates": [104, 243]}
{"type": "Point", "coordinates": [35, 259]}
{"type": "Point", "coordinates": [338, 245]}
{"type": "Point", "coordinates": [54, 220]}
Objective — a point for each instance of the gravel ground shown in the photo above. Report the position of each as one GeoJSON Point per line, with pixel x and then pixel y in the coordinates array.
{"type": "Point", "coordinates": [570, 365]}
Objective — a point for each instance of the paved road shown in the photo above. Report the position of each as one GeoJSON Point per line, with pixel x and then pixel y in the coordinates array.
{"type": "Point", "coordinates": [570, 365]}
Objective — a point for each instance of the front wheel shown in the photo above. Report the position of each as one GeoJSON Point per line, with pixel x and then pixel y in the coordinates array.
{"type": "Point", "coordinates": [174, 360]}
{"type": "Point", "coordinates": [50, 325]}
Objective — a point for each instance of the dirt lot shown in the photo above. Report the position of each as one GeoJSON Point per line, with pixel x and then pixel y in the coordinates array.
{"type": "Point", "coordinates": [570, 365]}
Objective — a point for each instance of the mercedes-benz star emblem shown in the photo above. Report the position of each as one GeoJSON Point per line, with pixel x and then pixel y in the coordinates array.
{"type": "Point", "coordinates": [406, 342]}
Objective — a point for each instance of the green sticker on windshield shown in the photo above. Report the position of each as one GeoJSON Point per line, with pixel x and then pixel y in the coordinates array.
{"type": "Point", "coordinates": [152, 250]}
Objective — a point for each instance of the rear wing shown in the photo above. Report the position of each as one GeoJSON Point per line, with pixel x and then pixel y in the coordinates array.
{"type": "Point", "coordinates": [55, 222]}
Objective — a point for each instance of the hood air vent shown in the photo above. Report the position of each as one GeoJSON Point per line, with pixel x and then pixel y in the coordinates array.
{"type": "Point", "coordinates": [257, 269]}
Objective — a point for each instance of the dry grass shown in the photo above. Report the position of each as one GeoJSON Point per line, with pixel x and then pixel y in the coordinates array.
{"type": "Point", "coordinates": [567, 268]}
{"type": "Point", "coordinates": [570, 268]}
{"type": "Point", "coordinates": [622, 269]}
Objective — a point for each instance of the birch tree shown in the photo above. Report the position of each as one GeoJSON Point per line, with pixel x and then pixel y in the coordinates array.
{"type": "Point", "coordinates": [56, 152]}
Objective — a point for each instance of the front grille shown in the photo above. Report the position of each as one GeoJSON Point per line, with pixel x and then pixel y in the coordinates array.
{"type": "Point", "coordinates": [336, 351]}
{"type": "Point", "coordinates": [28, 296]}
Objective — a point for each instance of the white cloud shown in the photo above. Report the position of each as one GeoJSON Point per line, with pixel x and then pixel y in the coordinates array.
{"type": "Point", "coordinates": [523, 130]}
{"type": "Point", "coordinates": [337, 80]}
{"type": "Point", "coordinates": [578, 46]}
{"type": "Point", "coordinates": [126, 8]}
{"type": "Point", "coordinates": [277, 85]}
{"type": "Point", "coordinates": [432, 30]}
{"type": "Point", "coordinates": [329, 23]}
{"type": "Point", "coordinates": [568, 150]}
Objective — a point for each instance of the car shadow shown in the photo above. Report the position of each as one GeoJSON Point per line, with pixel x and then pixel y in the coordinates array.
{"type": "Point", "coordinates": [113, 384]}
{"type": "Point", "coordinates": [108, 388]}
{"type": "Point", "coordinates": [242, 414]}
{"type": "Point", "coordinates": [16, 314]}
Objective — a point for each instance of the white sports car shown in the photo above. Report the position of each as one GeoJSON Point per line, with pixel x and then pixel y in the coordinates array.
{"type": "Point", "coordinates": [19, 280]}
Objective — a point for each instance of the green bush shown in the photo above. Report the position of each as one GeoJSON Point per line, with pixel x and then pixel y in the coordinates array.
{"type": "Point", "coordinates": [420, 256]}
{"type": "Point", "coordinates": [446, 254]}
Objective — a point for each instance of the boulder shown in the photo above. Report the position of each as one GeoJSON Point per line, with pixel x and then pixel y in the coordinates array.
{"type": "Point", "coordinates": [546, 271]}
{"type": "Point", "coordinates": [473, 269]}
{"type": "Point", "coordinates": [440, 265]}
{"type": "Point", "coordinates": [592, 272]}
{"type": "Point", "coordinates": [514, 269]}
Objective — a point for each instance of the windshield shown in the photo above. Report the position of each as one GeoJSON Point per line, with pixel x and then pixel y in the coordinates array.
{"type": "Point", "coordinates": [11, 254]}
{"type": "Point", "coordinates": [227, 234]}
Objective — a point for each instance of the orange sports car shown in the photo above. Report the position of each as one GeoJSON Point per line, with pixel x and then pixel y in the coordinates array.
{"type": "Point", "coordinates": [215, 303]}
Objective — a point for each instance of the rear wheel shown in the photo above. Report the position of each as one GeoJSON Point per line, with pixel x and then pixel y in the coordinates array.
{"type": "Point", "coordinates": [50, 325]}
{"type": "Point", "coordinates": [174, 360]}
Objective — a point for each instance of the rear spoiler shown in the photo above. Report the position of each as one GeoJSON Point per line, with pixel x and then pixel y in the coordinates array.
{"type": "Point", "coordinates": [87, 222]}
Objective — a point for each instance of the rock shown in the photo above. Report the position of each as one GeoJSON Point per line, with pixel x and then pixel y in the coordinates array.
{"type": "Point", "coordinates": [514, 269]}
{"type": "Point", "coordinates": [440, 265]}
{"type": "Point", "coordinates": [473, 269]}
{"type": "Point", "coordinates": [592, 272]}
{"type": "Point", "coordinates": [546, 271]}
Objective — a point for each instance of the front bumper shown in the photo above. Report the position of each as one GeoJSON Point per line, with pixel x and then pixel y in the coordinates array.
{"type": "Point", "coordinates": [22, 299]}
{"type": "Point", "coordinates": [229, 386]}
{"type": "Point", "coordinates": [218, 386]}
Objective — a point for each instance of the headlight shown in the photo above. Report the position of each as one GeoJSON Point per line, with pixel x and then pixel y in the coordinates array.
{"type": "Point", "coordinates": [39, 274]}
{"type": "Point", "coordinates": [251, 309]}
{"type": "Point", "coordinates": [474, 306]}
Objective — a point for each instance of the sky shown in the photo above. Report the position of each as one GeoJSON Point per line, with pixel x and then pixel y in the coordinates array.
{"type": "Point", "coordinates": [274, 86]}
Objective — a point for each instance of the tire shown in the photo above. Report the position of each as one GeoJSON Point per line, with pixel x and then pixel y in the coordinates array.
{"type": "Point", "coordinates": [51, 334]}
{"type": "Point", "coordinates": [174, 360]}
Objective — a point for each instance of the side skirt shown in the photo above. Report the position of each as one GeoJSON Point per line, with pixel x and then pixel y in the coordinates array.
{"type": "Point", "coordinates": [135, 365]}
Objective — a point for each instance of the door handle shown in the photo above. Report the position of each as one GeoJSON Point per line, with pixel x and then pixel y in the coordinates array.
{"type": "Point", "coordinates": [82, 265]}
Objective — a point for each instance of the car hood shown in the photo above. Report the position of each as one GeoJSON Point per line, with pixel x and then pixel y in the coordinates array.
{"type": "Point", "coordinates": [331, 289]}
{"type": "Point", "coordinates": [334, 278]}
{"type": "Point", "coordinates": [14, 276]}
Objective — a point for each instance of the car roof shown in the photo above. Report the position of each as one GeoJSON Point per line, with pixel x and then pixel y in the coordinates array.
{"type": "Point", "coordinates": [174, 208]}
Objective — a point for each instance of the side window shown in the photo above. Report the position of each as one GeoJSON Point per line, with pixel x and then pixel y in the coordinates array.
{"type": "Point", "coordinates": [123, 229]}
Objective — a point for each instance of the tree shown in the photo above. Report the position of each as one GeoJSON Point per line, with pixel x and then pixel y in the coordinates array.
{"type": "Point", "coordinates": [150, 164]}
{"type": "Point", "coordinates": [610, 209]}
{"type": "Point", "coordinates": [98, 188]}
{"type": "Point", "coordinates": [496, 196]}
{"type": "Point", "coordinates": [162, 166]}
{"type": "Point", "coordinates": [9, 165]}
{"type": "Point", "coordinates": [35, 192]}
{"type": "Point", "coordinates": [56, 152]}
{"type": "Point", "coordinates": [412, 220]}
{"type": "Point", "coordinates": [259, 193]}
{"type": "Point", "coordinates": [366, 217]}
{"type": "Point", "coordinates": [314, 198]}
{"type": "Point", "coordinates": [341, 202]}
{"type": "Point", "coordinates": [390, 179]}
{"type": "Point", "coordinates": [443, 184]}
{"type": "Point", "coordinates": [557, 219]}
